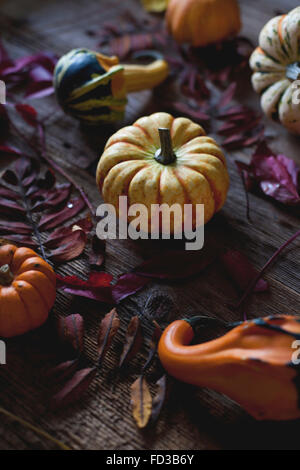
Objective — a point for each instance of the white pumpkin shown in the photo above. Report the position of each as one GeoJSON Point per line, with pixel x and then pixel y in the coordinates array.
{"type": "Point", "coordinates": [276, 66]}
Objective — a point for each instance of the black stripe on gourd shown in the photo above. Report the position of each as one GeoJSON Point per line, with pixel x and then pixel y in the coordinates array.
{"type": "Point", "coordinates": [84, 88]}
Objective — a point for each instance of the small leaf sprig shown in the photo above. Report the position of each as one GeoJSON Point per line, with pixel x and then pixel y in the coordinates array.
{"type": "Point", "coordinates": [35, 208]}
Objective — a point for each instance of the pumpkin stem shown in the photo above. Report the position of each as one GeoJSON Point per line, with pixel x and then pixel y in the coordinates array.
{"type": "Point", "coordinates": [165, 154]}
{"type": "Point", "coordinates": [293, 71]}
{"type": "Point", "coordinates": [144, 77]}
{"type": "Point", "coordinates": [6, 276]}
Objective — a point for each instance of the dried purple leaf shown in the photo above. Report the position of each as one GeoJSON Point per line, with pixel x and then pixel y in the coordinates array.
{"type": "Point", "coordinates": [73, 389]}
{"type": "Point", "coordinates": [73, 208]}
{"type": "Point", "coordinates": [133, 341]}
{"type": "Point", "coordinates": [70, 331]}
{"type": "Point", "coordinates": [241, 271]}
{"type": "Point", "coordinates": [107, 331]}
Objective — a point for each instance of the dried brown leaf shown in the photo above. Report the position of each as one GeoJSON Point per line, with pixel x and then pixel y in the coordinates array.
{"type": "Point", "coordinates": [141, 402]}
{"type": "Point", "coordinates": [160, 398]}
{"type": "Point", "coordinates": [61, 372]}
{"type": "Point", "coordinates": [133, 341]}
{"type": "Point", "coordinates": [71, 330]}
{"type": "Point", "coordinates": [157, 332]}
{"type": "Point", "coordinates": [73, 389]}
{"type": "Point", "coordinates": [70, 248]}
{"type": "Point", "coordinates": [108, 329]}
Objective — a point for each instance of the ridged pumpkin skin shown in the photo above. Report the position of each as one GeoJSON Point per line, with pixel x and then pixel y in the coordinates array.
{"type": "Point", "coordinates": [25, 300]}
{"type": "Point", "coordinates": [202, 22]}
{"type": "Point", "coordinates": [197, 176]}
{"type": "Point", "coordinates": [251, 364]}
{"type": "Point", "coordinates": [273, 63]}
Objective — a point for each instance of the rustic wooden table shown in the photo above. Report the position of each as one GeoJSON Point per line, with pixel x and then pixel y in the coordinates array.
{"type": "Point", "coordinates": [102, 419]}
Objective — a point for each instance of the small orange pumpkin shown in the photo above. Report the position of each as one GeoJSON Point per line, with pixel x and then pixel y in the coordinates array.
{"type": "Point", "coordinates": [203, 22]}
{"type": "Point", "coordinates": [27, 290]}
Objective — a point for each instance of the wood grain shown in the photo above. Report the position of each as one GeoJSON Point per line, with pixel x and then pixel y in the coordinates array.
{"type": "Point", "coordinates": [192, 419]}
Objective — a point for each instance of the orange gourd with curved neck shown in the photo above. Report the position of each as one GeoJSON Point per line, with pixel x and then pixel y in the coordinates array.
{"type": "Point", "coordinates": [252, 363]}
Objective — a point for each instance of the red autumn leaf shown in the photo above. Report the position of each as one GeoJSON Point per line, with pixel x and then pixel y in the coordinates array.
{"type": "Point", "coordinates": [97, 287]}
{"type": "Point", "coordinates": [70, 248]}
{"type": "Point", "coordinates": [14, 227]}
{"type": "Point", "coordinates": [85, 224]}
{"type": "Point", "coordinates": [97, 252]}
{"type": "Point", "coordinates": [70, 331]}
{"type": "Point", "coordinates": [241, 127]}
{"type": "Point", "coordinates": [241, 270]}
{"type": "Point", "coordinates": [53, 198]}
{"type": "Point", "coordinates": [276, 175]}
{"type": "Point", "coordinates": [193, 113]}
{"type": "Point", "coordinates": [45, 60]}
{"type": "Point", "coordinates": [9, 150]}
{"type": "Point", "coordinates": [73, 389]}
{"type": "Point", "coordinates": [227, 95]}
{"type": "Point", "coordinates": [245, 116]}
{"type": "Point", "coordinates": [257, 136]}
{"type": "Point", "coordinates": [234, 142]}
{"type": "Point", "coordinates": [11, 207]}
{"type": "Point", "coordinates": [176, 264]}
{"type": "Point", "coordinates": [95, 280]}
{"type": "Point", "coordinates": [128, 284]}
{"type": "Point", "coordinates": [233, 111]}
{"type": "Point", "coordinates": [8, 193]}
{"type": "Point", "coordinates": [61, 234]}
{"type": "Point", "coordinates": [50, 221]}
{"type": "Point", "coordinates": [39, 90]}
{"type": "Point", "coordinates": [231, 128]}
{"type": "Point", "coordinates": [28, 113]}
{"type": "Point", "coordinates": [291, 167]}
{"type": "Point", "coordinates": [191, 82]}
{"type": "Point", "coordinates": [34, 72]}
{"type": "Point", "coordinates": [21, 240]}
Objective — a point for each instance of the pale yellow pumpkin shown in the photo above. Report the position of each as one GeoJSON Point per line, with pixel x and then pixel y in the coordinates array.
{"type": "Point", "coordinates": [131, 166]}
